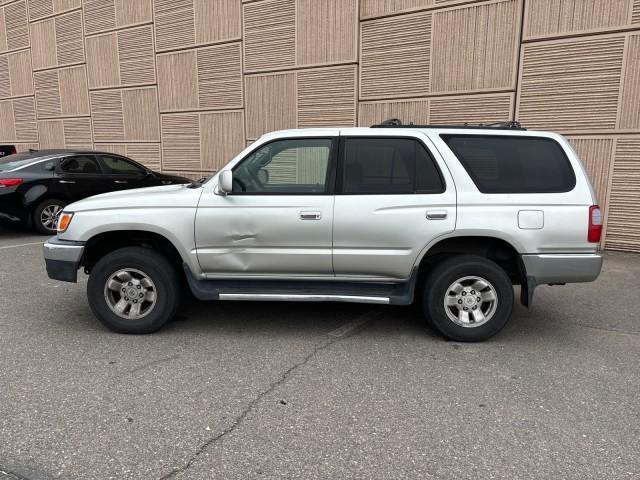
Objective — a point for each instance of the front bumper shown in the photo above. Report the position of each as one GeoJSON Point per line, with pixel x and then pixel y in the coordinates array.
{"type": "Point", "coordinates": [562, 268]}
{"type": "Point", "coordinates": [63, 259]}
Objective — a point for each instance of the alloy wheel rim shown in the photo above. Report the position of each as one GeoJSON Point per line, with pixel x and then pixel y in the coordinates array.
{"type": "Point", "coordinates": [470, 301]}
{"type": "Point", "coordinates": [130, 293]}
{"type": "Point", "coordinates": [49, 216]}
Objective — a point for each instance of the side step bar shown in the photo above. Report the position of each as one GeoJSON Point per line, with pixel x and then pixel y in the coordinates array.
{"type": "Point", "coordinates": [303, 291]}
{"type": "Point", "coordinates": [293, 297]}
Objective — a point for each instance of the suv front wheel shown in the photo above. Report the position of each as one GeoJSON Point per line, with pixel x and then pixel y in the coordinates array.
{"type": "Point", "coordinates": [133, 290]}
{"type": "Point", "coordinates": [468, 298]}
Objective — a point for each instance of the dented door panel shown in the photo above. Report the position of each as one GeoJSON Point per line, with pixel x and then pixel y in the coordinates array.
{"type": "Point", "coordinates": [265, 235]}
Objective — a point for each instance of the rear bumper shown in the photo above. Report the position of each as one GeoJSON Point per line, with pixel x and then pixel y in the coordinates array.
{"type": "Point", "coordinates": [63, 258]}
{"type": "Point", "coordinates": [562, 268]}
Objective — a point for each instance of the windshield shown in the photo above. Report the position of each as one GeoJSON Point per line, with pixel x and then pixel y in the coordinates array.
{"type": "Point", "coordinates": [14, 161]}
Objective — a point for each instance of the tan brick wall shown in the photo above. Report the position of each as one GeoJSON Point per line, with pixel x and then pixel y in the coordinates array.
{"type": "Point", "coordinates": [183, 85]}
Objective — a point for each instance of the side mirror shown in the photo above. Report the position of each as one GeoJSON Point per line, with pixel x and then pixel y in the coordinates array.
{"type": "Point", "coordinates": [225, 182]}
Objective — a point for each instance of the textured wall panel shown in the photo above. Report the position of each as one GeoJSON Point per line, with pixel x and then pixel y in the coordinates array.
{"type": "Point", "coordinates": [44, 8]}
{"type": "Point", "coordinates": [327, 31]}
{"type": "Point", "coordinates": [181, 141]}
{"type": "Point", "coordinates": [395, 56]}
{"type": "Point", "coordinates": [122, 58]}
{"type": "Point", "coordinates": [107, 114]}
{"type": "Point", "coordinates": [630, 96]}
{"type": "Point", "coordinates": [472, 109]}
{"type": "Point", "coordinates": [177, 82]}
{"type": "Point", "coordinates": [186, 23]}
{"type": "Point", "coordinates": [208, 78]}
{"type": "Point", "coordinates": [219, 76]}
{"type": "Point", "coordinates": [147, 154]}
{"type": "Point", "coordinates": [546, 18]}
{"type": "Point", "coordinates": [571, 85]}
{"type": "Point", "coordinates": [374, 8]}
{"type": "Point", "coordinates": [15, 26]}
{"type": "Point", "coordinates": [221, 138]}
{"type": "Point", "coordinates": [58, 41]}
{"type": "Point", "coordinates": [416, 111]}
{"type": "Point", "coordinates": [271, 103]}
{"type": "Point", "coordinates": [174, 25]}
{"type": "Point", "coordinates": [635, 13]}
{"type": "Point", "coordinates": [475, 48]}
{"type": "Point", "coordinates": [141, 115]}
{"type": "Point", "coordinates": [596, 154]}
{"type": "Point", "coordinates": [61, 92]}
{"type": "Point", "coordinates": [623, 229]}
{"type": "Point", "coordinates": [15, 74]}
{"type": "Point", "coordinates": [18, 121]}
{"type": "Point", "coordinates": [65, 133]}
{"type": "Point", "coordinates": [217, 21]}
{"type": "Point", "coordinates": [101, 15]}
{"type": "Point", "coordinates": [269, 34]}
{"type": "Point", "coordinates": [103, 67]}
{"type": "Point", "coordinates": [326, 97]}
{"type": "Point", "coordinates": [201, 141]}
{"type": "Point", "coordinates": [129, 115]}
{"type": "Point", "coordinates": [3, 32]}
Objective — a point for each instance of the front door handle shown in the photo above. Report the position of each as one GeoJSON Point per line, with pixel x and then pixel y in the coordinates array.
{"type": "Point", "coordinates": [310, 215]}
{"type": "Point", "coordinates": [66, 181]}
{"type": "Point", "coordinates": [121, 181]}
{"type": "Point", "coordinates": [437, 214]}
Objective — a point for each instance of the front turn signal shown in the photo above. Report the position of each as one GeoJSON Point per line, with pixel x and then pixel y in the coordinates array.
{"type": "Point", "coordinates": [63, 221]}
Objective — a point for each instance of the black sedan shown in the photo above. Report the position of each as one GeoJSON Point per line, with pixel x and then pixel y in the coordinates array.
{"type": "Point", "coordinates": [35, 186]}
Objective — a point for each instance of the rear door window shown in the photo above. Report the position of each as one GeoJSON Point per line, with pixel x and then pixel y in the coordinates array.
{"type": "Point", "coordinates": [511, 164]}
{"type": "Point", "coordinates": [80, 164]}
{"type": "Point", "coordinates": [388, 166]}
{"type": "Point", "coordinates": [120, 166]}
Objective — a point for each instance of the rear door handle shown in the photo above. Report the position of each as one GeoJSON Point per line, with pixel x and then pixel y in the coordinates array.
{"type": "Point", "coordinates": [310, 215]}
{"type": "Point", "coordinates": [437, 214]}
{"type": "Point", "coordinates": [120, 181]}
{"type": "Point", "coordinates": [66, 181]}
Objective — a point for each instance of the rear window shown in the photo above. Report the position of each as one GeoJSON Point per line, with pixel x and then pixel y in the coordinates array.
{"type": "Point", "coordinates": [509, 164]}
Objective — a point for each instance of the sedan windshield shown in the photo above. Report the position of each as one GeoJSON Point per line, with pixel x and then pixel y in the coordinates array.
{"type": "Point", "coordinates": [14, 161]}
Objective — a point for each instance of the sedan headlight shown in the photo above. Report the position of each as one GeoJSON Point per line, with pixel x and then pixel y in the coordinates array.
{"type": "Point", "coordinates": [63, 221]}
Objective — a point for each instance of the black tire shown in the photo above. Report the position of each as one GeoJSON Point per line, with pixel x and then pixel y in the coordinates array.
{"type": "Point", "coordinates": [38, 224]}
{"type": "Point", "coordinates": [157, 268]}
{"type": "Point", "coordinates": [453, 269]}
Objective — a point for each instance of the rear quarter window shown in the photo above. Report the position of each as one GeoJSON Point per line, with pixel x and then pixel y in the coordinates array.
{"type": "Point", "coordinates": [511, 164]}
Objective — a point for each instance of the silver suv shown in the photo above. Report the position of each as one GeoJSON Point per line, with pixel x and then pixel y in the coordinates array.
{"type": "Point", "coordinates": [450, 217]}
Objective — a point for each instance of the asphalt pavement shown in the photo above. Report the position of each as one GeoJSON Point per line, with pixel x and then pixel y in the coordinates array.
{"type": "Point", "coordinates": [316, 391]}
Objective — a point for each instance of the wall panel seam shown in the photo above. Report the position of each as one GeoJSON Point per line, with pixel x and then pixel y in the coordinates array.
{"type": "Point", "coordinates": [53, 15]}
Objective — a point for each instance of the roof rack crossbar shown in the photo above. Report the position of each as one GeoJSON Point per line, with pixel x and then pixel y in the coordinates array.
{"type": "Point", "coordinates": [397, 123]}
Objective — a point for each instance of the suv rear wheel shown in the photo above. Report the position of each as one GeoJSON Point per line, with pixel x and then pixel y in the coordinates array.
{"type": "Point", "coordinates": [468, 298]}
{"type": "Point", "coordinates": [133, 290]}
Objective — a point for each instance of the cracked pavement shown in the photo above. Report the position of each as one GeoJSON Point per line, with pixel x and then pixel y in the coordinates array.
{"type": "Point", "coordinates": [276, 390]}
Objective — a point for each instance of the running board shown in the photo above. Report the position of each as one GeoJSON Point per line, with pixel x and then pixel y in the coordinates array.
{"type": "Point", "coordinates": [303, 291]}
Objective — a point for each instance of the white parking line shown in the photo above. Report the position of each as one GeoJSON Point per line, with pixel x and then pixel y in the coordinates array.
{"type": "Point", "coordinates": [21, 245]}
{"type": "Point", "coordinates": [356, 323]}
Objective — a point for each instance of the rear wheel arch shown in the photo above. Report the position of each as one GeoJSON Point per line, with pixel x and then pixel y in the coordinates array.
{"type": "Point", "coordinates": [497, 249]}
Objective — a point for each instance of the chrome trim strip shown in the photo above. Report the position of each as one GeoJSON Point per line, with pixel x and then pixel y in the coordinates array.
{"type": "Point", "coordinates": [35, 162]}
{"type": "Point", "coordinates": [64, 253]}
{"type": "Point", "coordinates": [266, 297]}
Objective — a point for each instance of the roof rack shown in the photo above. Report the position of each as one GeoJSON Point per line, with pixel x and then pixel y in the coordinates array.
{"type": "Point", "coordinates": [397, 123]}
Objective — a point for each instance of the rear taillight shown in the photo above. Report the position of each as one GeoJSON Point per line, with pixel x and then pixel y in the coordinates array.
{"type": "Point", "coordinates": [12, 151]}
{"type": "Point", "coordinates": [595, 224]}
{"type": "Point", "coordinates": [10, 182]}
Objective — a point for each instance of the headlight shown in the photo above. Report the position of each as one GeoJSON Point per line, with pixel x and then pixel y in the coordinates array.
{"type": "Point", "coordinates": [63, 221]}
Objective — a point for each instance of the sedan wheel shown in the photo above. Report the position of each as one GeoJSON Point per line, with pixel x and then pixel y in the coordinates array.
{"type": "Point", "coordinates": [45, 216]}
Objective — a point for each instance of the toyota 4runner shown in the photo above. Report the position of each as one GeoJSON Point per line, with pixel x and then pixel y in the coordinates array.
{"type": "Point", "coordinates": [452, 217]}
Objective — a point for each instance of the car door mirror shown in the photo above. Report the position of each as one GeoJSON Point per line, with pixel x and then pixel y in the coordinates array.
{"type": "Point", "coordinates": [225, 182]}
